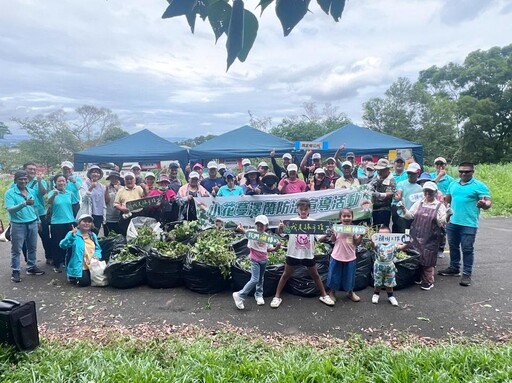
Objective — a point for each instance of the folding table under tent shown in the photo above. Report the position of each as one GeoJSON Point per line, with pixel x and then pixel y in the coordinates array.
{"type": "Point", "coordinates": [143, 146]}
{"type": "Point", "coordinates": [363, 141]}
{"type": "Point", "coordinates": [244, 142]}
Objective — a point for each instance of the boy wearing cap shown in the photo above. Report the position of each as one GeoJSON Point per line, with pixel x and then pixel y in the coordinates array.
{"type": "Point", "coordinates": [230, 189]}
{"type": "Point", "coordinates": [440, 177]}
{"type": "Point", "coordinates": [213, 182]}
{"type": "Point", "coordinates": [292, 184]}
{"type": "Point", "coordinates": [408, 192]}
{"type": "Point", "coordinates": [278, 170]}
{"type": "Point", "coordinates": [258, 254]}
{"type": "Point", "coordinates": [309, 171]}
{"type": "Point", "coordinates": [19, 202]}
{"type": "Point", "coordinates": [429, 216]}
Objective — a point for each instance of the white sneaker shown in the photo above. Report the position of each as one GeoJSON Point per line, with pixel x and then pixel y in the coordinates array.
{"type": "Point", "coordinates": [239, 302]}
{"type": "Point", "coordinates": [276, 302]}
{"type": "Point", "coordinates": [375, 298]}
{"type": "Point", "coordinates": [260, 301]}
{"type": "Point", "coordinates": [393, 301]}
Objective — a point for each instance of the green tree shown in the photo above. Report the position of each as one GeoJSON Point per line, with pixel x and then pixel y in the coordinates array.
{"type": "Point", "coordinates": [240, 25]}
{"type": "Point", "coordinates": [311, 124]}
{"type": "Point", "coordinates": [4, 129]}
{"type": "Point", "coordinates": [191, 142]}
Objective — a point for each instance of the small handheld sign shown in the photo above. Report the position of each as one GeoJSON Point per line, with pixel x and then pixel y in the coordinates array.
{"type": "Point", "coordinates": [305, 227]}
{"type": "Point", "coordinates": [348, 229]}
{"type": "Point", "coordinates": [143, 202]}
{"type": "Point", "coordinates": [262, 237]}
{"type": "Point", "coordinates": [391, 238]}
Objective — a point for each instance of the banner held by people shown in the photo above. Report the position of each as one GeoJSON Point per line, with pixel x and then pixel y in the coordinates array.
{"type": "Point", "coordinates": [325, 205]}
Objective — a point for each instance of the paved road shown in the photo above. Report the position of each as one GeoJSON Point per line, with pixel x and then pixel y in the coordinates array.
{"type": "Point", "coordinates": [484, 309]}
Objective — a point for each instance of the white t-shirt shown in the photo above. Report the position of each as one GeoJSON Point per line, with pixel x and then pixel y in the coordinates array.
{"type": "Point", "coordinates": [301, 246]}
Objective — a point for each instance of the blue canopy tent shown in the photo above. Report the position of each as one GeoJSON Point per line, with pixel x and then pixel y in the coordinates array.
{"type": "Point", "coordinates": [242, 142]}
{"type": "Point", "coordinates": [143, 146]}
{"type": "Point", "coordinates": [365, 141]}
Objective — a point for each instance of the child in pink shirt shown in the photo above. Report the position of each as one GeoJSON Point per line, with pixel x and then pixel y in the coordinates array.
{"type": "Point", "coordinates": [342, 268]}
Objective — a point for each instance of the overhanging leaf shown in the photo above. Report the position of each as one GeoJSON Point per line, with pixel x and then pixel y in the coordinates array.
{"type": "Point", "coordinates": [290, 12]}
{"type": "Point", "coordinates": [264, 4]}
{"type": "Point", "coordinates": [219, 14]}
{"type": "Point", "coordinates": [179, 8]}
{"type": "Point", "coordinates": [337, 7]}
{"type": "Point", "coordinates": [250, 32]}
{"type": "Point", "coordinates": [324, 4]}
{"type": "Point", "coordinates": [235, 31]}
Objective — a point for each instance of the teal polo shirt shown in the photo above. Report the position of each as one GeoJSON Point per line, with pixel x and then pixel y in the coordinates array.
{"type": "Point", "coordinates": [74, 188]}
{"type": "Point", "coordinates": [411, 192]}
{"type": "Point", "coordinates": [444, 183]}
{"type": "Point", "coordinates": [464, 199]}
{"type": "Point", "coordinates": [401, 177]}
{"type": "Point", "coordinates": [224, 191]}
{"type": "Point", "coordinates": [62, 210]}
{"type": "Point", "coordinates": [39, 199]}
{"type": "Point", "coordinates": [13, 197]}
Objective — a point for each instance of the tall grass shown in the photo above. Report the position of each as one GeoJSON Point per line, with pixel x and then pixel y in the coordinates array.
{"type": "Point", "coordinates": [236, 359]}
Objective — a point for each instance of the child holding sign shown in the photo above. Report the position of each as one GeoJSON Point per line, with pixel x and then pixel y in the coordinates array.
{"type": "Point", "coordinates": [342, 267]}
{"type": "Point", "coordinates": [258, 255]}
{"type": "Point", "coordinates": [300, 252]}
{"type": "Point", "coordinates": [384, 269]}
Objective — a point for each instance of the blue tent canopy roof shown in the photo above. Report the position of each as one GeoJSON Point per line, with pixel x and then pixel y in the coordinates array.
{"type": "Point", "coordinates": [365, 141]}
{"type": "Point", "coordinates": [245, 141]}
{"type": "Point", "coordinates": [137, 147]}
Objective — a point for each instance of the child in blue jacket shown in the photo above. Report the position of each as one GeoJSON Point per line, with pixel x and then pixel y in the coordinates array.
{"type": "Point", "coordinates": [84, 246]}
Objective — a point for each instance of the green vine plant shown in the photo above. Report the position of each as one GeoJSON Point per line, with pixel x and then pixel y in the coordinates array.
{"type": "Point", "coordinates": [230, 17]}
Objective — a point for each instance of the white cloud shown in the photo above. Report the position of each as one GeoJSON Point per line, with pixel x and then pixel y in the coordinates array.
{"type": "Point", "coordinates": [155, 74]}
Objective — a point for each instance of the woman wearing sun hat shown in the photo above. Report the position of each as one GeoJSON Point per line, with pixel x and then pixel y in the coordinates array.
{"type": "Point", "coordinates": [252, 181]}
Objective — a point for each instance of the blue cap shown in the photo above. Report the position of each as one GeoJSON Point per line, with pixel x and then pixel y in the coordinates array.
{"type": "Point", "coordinates": [229, 173]}
{"type": "Point", "coordinates": [424, 177]}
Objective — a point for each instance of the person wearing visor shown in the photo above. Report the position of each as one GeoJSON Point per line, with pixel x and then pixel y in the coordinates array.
{"type": "Point", "coordinates": [292, 184]}
{"type": "Point", "coordinates": [230, 189]}
{"type": "Point", "coordinates": [279, 171]}
{"type": "Point", "coordinates": [408, 192]}
{"type": "Point", "coordinates": [213, 182]}
{"type": "Point", "coordinates": [112, 215]}
{"type": "Point", "coordinates": [129, 192]}
{"type": "Point", "coordinates": [252, 184]}
{"type": "Point", "coordinates": [20, 204]}
{"type": "Point", "coordinates": [309, 171]}
{"type": "Point", "coordinates": [269, 184]}
{"type": "Point", "coordinates": [186, 195]}
{"type": "Point", "coordinates": [245, 165]}
{"type": "Point", "coordinates": [320, 181]}
{"type": "Point", "coordinates": [95, 191]}
{"type": "Point", "coordinates": [85, 247]}
{"type": "Point", "coordinates": [428, 216]}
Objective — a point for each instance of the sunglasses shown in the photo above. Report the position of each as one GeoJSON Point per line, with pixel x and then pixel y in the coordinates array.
{"type": "Point", "coordinates": [465, 171]}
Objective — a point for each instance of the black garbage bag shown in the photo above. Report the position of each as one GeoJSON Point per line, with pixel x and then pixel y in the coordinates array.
{"type": "Point", "coordinates": [127, 274]}
{"type": "Point", "coordinates": [301, 283]}
{"type": "Point", "coordinates": [203, 278]}
{"type": "Point", "coordinates": [240, 247]}
{"type": "Point", "coordinates": [241, 276]}
{"type": "Point", "coordinates": [364, 268]}
{"type": "Point", "coordinates": [407, 270]}
{"type": "Point", "coordinates": [162, 271]}
{"type": "Point", "coordinates": [110, 245]}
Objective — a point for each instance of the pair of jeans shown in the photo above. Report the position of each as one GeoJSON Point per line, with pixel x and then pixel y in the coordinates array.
{"type": "Point", "coordinates": [257, 274]}
{"type": "Point", "coordinates": [23, 233]}
{"type": "Point", "coordinates": [461, 238]}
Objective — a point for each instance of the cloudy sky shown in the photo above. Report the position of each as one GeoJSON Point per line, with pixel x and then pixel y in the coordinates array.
{"type": "Point", "coordinates": [155, 74]}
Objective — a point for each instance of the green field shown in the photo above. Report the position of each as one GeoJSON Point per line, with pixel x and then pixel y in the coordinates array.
{"type": "Point", "coordinates": [229, 357]}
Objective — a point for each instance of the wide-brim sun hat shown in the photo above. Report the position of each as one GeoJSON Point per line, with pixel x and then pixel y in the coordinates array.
{"type": "Point", "coordinates": [382, 163]}
{"type": "Point", "coordinates": [94, 167]}
{"type": "Point", "coordinates": [113, 174]}
{"type": "Point", "coordinates": [251, 169]}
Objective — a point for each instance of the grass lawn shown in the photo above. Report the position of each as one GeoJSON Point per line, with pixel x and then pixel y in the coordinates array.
{"type": "Point", "coordinates": [226, 356]}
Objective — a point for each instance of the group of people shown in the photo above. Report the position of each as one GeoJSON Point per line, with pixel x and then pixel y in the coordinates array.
{"type": "Point", "coordinates": [428, 205]}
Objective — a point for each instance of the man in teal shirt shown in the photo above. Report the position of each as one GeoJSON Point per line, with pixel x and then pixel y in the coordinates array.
{"type": "Point", "coordinates": [440, 177]}
{"type": "Point", "coordinates": [467, 196]}
{"type": "Point", "coordinates": [19, 202]}
{"type": "Point", "coordinates": [399, 173]}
